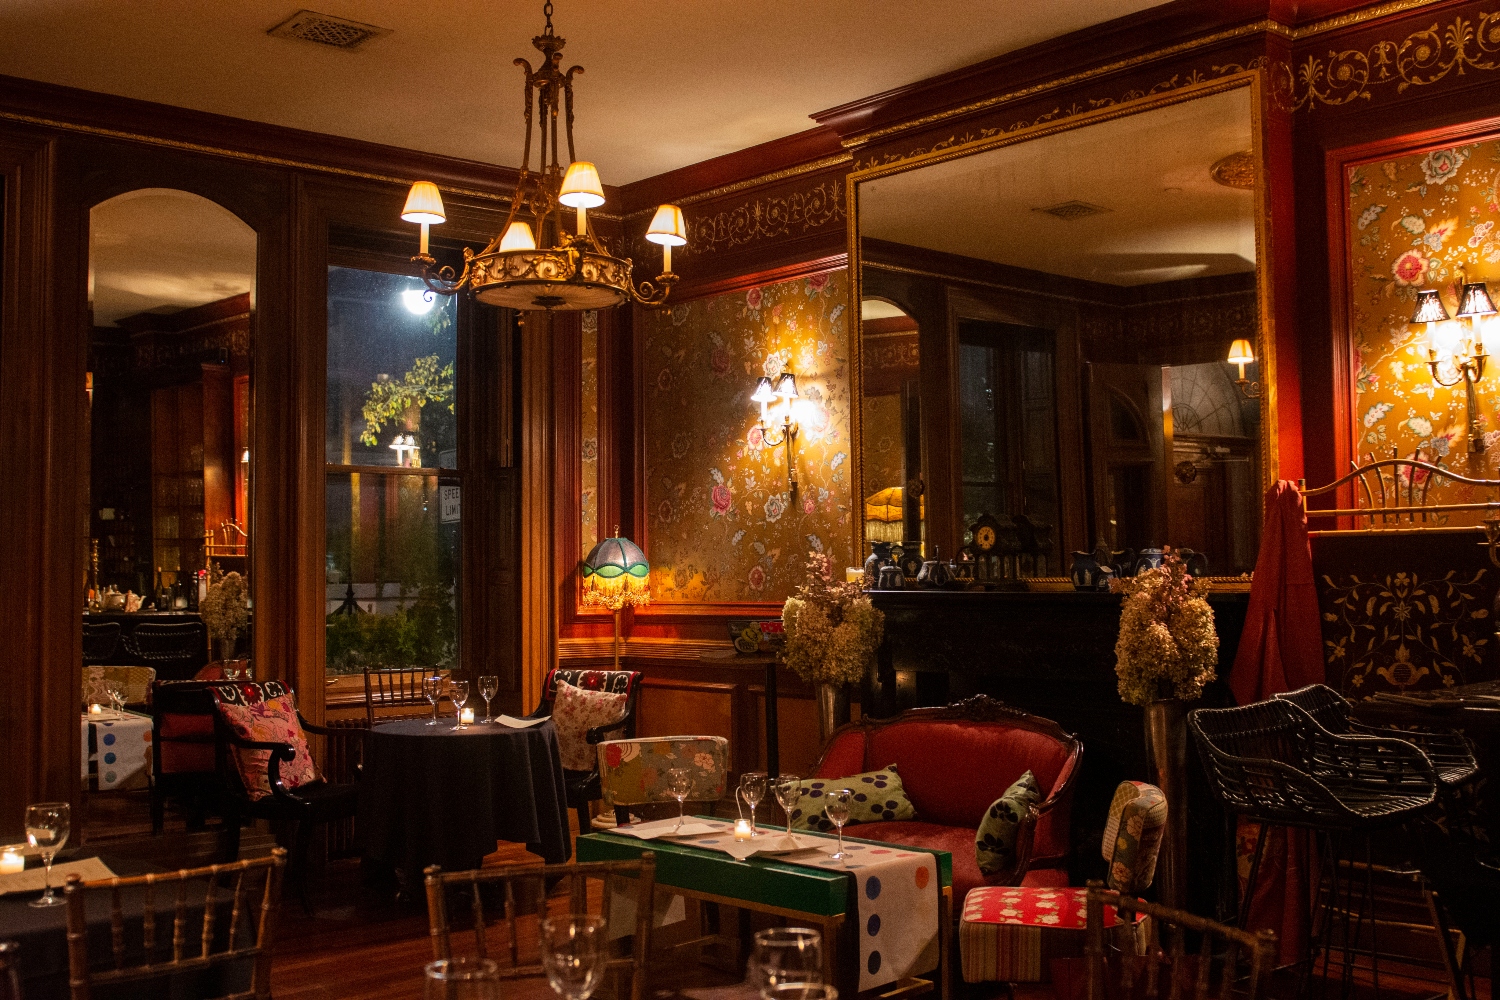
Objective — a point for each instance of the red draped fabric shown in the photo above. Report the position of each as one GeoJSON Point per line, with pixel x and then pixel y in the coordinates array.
{"type": "Point", "coordinates": [1281, 649]}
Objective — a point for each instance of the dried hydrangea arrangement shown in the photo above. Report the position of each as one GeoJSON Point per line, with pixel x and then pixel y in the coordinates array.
{"type": "Point", "coordinates": [1167, 647]}
{"type": "Point", "coordinates": [225, 608]}
{"type": "Point", "coordinates": [832, 629]}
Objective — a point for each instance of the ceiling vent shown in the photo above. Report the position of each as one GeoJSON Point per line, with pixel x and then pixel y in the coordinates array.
{"type": "Point", "coordinates": [1071, 211]}
{"type": "Point", "coordinates": [325, 29]}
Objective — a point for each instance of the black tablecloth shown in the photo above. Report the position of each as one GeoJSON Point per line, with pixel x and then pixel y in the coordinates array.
{"type": "Point", "coordinates": [42, 933]}
{"type": "Point", "coordinates": [431, 795]}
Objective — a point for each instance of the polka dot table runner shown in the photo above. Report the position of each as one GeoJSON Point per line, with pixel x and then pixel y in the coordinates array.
{"type": "Point", "coordinates": [897, 891]}
{"type": "Point", "coordinates": [121, 750]}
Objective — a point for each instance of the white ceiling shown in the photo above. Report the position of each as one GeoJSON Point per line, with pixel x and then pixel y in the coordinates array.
{"type": "Point", "coordinates": [162, 249]}
{"type": "Point", "coordinates": [667, 84]}
{"type": "Point", "coordinates": [1167, 219]}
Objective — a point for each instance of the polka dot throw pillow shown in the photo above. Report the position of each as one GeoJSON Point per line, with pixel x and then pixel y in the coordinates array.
{"type": "Point", "coordinates": [995, 840]}
{"type": "Point", "coordinates": [878, 797]}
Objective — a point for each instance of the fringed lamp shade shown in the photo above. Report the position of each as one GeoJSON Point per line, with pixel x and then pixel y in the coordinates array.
{"type": "Point", "coordinates": [616, 574]}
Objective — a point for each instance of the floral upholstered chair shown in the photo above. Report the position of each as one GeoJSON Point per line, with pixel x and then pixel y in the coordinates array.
{"type": "Point", "coordinates": [634, 772]}
{"type": "Point", "coordinates": [580, 772]}
{"type": "Point", "coordinates": [1011, 934]}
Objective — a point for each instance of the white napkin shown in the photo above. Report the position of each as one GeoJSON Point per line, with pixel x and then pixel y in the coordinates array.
{"type": "Point", "coordinates": [774, 844]}
{"type": "Point", "coordinates": [666, 828]}
{"type": "Point", "coordinates": [515, 723]}
{"type": "Point", "coordinates": [32, 879]}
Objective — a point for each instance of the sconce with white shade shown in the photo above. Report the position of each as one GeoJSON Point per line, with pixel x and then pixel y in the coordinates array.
{"type": "Point", "coordinates": [783, 390]}
{"type": "Point", "coordinates": [1240, 355]}
{"type": "Point", "coordinates": [1467, 358]}
{"type": "Point", "coordinates": [667, 230]}
{"type": "Point", "coordinates": [424, 205]}
{"type": "Point", "coordinates": [405, 446]}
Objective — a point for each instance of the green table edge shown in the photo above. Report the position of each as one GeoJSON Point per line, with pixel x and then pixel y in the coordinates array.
{"type": "Point", "coordinates": [819, 891]}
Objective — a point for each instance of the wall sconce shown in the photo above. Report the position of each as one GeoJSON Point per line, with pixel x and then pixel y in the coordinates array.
{"type": "Point", "coordinates": [1468, 359]}
{"type": "Point", "coordinates": [784, 388]}
{"type": "Point", "coordinates": [1242, 354]}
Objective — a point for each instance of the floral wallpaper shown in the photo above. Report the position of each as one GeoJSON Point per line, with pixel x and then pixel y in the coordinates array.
{"type": "Point", "coordinates": [588, 428]}
{"type": "Point", "coordinates": [721, 525]}
{"type": "Point", "coordinates": [1413, 223]}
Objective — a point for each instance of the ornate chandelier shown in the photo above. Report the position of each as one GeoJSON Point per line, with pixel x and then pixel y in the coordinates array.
{"type": "Point", "coordinates": [576, 272]}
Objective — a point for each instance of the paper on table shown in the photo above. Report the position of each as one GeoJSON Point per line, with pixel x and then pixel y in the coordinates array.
{"type": "Point", "coordinates": [773, 844]}
{"type": "Point", "coordinates": [515, 723]}
{"type": "Point", "coordinates": [665, 828]}
{"type": "Point", "coordinates": [32, 880]}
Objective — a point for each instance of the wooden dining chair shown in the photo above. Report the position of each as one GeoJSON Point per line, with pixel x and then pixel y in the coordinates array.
{"type": "Point", "coordinates": [210, 952]}
{"type": "Point", "coordinates": [395, 688]}
{"type": "Point", "coordinates": [523, 890]}
{"type": "Point", "coordinates": [1123, 965]}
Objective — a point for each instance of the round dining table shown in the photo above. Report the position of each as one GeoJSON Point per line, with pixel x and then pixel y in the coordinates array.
{"type": "Point", "coordinates": [433, 795]}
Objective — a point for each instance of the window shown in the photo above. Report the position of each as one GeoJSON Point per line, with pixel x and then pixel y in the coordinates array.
{"type": "Point", "coordinates": [392, 482]}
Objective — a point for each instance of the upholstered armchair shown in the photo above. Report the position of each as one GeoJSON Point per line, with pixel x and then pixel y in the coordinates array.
{"type": "Point", "coordinates": [582, 787]}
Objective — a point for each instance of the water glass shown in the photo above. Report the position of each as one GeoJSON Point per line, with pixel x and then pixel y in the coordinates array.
{"type": "Point", "coordinates": [116, 692]}
{"type": "Point", "coordinates": [463, 979]}
{"type": "Point", "coordinates": [489, 686]}
{"type": "Point", "coordinates": [573, 954]}
{"type": "Point", "coordinates": [432, 687]}
{"type": "Point", "coordinates": [836, 808]}
{"type": "Point", "coordinates": [752, 790]}
{"type": "Point", "coordinates": [786, 959]}
{"type": "Point", "coordinates": [788, 793]}
{"type": "Point", "coordinates": [679, 786]}
{"type": "Point", "coordinates": [458, 693]}
{"type": "Point", "coordinates": [47, 826]}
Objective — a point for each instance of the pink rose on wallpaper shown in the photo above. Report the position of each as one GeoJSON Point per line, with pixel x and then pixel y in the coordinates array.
{"type": "Point", "coordinates": [815, 282]}
{"type": "Point", "coordinates": [1409, 268]}
{"type": "Point", "coordinates": [755, 439]}
{"type": "Point", "coordinates": [719, 361]}
{"type": "Point", "coordinates": [757, 578]}
{"type": "Point", "coordinates": [809, 505]}
{"type": "Point", "coordinates": [776, 312]}
{"type": "Point", "coordinates": [722, 499]}
{"type": "Point", "coordinates": [753, 298]}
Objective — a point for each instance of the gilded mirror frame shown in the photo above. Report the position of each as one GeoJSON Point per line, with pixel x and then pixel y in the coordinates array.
{"type": "Point", "coordinates": [1265, 325]}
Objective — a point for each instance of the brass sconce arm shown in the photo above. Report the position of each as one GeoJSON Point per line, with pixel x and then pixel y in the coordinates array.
{"type": "Point", "coordinates": [788, 438]}
{"type": "Point", "coordinates": [1470, 371]}
{"type": "Point", "coordinates": [1247, 388]}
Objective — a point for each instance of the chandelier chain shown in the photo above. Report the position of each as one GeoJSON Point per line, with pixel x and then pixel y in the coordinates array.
{"type": "Point", "coordinates": [547, 13]}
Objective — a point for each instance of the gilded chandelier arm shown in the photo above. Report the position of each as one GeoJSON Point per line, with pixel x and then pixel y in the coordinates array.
{"type": "Point", "coordinates": [653, 294]}
{"type": "Point", "coordinates": [442, 280]}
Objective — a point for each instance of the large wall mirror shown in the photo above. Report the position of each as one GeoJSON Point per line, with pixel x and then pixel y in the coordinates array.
{"type": "Point", "coordinates": [1047, 319]}
{"type": "Point", "coordinates": [171, 292]}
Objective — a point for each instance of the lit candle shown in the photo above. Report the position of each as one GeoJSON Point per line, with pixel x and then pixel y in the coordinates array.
{"type": "Point", "coordinates": [742, 830]}
{"type": "Point", "coordinates": [96, 709]}
{"type": "Point", "coordinates": [466, 717]}
{"type": "Point", "coordinates": [12, 862]}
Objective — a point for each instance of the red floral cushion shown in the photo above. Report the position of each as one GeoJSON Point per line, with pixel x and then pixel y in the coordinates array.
{"type": "Point", "coordinates": [576, 711]}
{"type": "Point", "coordinates": [273, 720]}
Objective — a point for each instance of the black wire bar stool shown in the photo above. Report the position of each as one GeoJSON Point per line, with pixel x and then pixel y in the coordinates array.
{"type": "Point", "coordinates": [1272, 764]}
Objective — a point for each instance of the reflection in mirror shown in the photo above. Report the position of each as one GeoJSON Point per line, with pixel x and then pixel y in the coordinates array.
{"type": "Point", "coordinates": [891, 449]}
{"type": "Point", "coordinates": [171, 289]}
{"type": "Point", "coordinates": [1090, 283]}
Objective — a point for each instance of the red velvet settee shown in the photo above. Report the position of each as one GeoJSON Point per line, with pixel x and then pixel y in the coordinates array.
{"type": "Point", "coordinates": [954, 762]}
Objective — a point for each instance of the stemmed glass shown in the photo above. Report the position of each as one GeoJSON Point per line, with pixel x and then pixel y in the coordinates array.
{"type": "Point", "coordinates": [462, 979]}
{"type": "Point", "coordinates": [788, 793]}
{"type": "Point", "coordinates": [116, 692]}
{"type": "Point", "coordinates": [432, 687]}
{"type": "Point", "coordinates": [786, 961]}
{"type": "Point", "coordinates": [458, 693]}
{"type": "Point", "coordinates": [573, 954]}
{"type": "Point", "coordinates": [836, 808]}
{"type": "Point", "coordinates": [489, 686]}
{"type": "Point", "coordinates": [47, 827]}
{"type": "Point", "coordinates": [752, 790]}
{"type": "Point", "coordinates": [679, 786]}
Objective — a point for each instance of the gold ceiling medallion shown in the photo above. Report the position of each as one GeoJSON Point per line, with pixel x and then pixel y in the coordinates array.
{"type": "Point", "coordinates": [517, 270]}
{"type": "Point", "coordinates": [1237, 170]}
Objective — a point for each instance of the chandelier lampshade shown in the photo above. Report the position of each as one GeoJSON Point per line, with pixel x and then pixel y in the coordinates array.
{"type": "Point", "coordinates": [615, 573]}
{"type": "Point", "coordinates": [535, 263]}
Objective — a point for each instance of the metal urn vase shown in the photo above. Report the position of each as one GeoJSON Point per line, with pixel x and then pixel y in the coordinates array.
{"type": "Point", "coordinates": [833, 709]}
{"type": "Point", "coordinates": [1166, 750]}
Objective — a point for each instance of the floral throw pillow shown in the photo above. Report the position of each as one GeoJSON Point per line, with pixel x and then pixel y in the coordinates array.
{"type": "Point", "coordinates": [273, 720]}
{"type": "Point", "coordinates": [995, 840]}
{"type": "Point", "coordinates": [878, 797]}
{"type": "Point", "coordinates": [576, 711]}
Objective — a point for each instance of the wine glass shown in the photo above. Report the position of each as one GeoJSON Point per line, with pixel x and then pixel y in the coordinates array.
{"type": "Point", "coordinates": [836, 808]}
{"type": "Point", "coordinates": [462, 979]}
{"type": "Point", "coordinates": [573, 954]}
{"type": "Point", "coordinates": [489, 686]}
{"type": "Point", "coordinates": [458, 693]}
{"type": "Point", "coordinates": [116, 692]}
{"type": "Point", "coordinates": [432, 687]}
{"type": "Point", "coordinates": [788, 793]}
{"type": "Point", "coordinates": [47, 827]}
{"type": "Point", "coordinates": [752, 790]}
{"type": "Point", "coordinates": [679, 786]}
{"type": "Point", "coordinates": [785, 959]}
